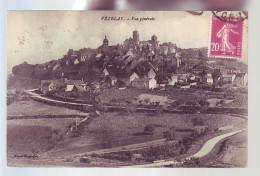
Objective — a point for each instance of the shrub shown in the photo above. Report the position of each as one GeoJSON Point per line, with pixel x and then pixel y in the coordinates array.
{"type": "Point", "coordinates": [84, 160]}
{"type": "Point", "coordinates": [192, 162]}
{"type": "Point", "coordinates": [149, 129]}
{"type": "Point", "coordinates": [191, 103]}
{"type": "Point", "coordinates": [168, 135]}
{"type": "Point", "coordinates": [204, 103]}
{"type": "Point", "coordinates": [159, 109]}
{"type": "Point", "coordinates": [68, 160]}
{"type": "Point", "coordinates": [197, 121]}
{"type": "Point", "coordinates": [221, 102]}
{"type": "Point", "coordinates": [146, 101]}
{"type": "Point", "coordinates": [94, 155]}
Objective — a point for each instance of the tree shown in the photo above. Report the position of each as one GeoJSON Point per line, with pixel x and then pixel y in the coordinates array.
{"type": "Point", "coordinates": [197, 121]}
{"type": "Point", "coordinates": [146, 101]}
{"type": "Point", "coordinates": [169, 135]}
{"type": "Point", "coordinates": [204, 102]}
{"type": "Point", "coordinates": [149, 129]}
{"type": "Point", "coordinates": [191, 103]}
{"type": "Point", "coordinates": [159, 109]}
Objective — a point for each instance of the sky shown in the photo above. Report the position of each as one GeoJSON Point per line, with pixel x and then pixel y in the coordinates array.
{"type": "Point", "coordinates": [41, 36]}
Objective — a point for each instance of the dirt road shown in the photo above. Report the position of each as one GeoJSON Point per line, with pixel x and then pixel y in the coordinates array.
{"type": "Point", "coordinates": [206, 149]}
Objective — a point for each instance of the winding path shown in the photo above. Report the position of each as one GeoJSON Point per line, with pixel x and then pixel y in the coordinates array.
{"type": "Point", "coordinates": [33, 94]}
{"type": "Point", "coordinates": [206, 149]}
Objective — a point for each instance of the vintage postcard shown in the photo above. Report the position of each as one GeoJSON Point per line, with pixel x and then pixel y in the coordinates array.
{"type": "Point", "coordinates": [127, 89]}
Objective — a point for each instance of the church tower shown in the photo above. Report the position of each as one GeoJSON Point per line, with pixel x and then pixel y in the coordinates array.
{"type": "Point", "coordinates": [105, 41]}
{"type": "Point", "coordinates": [136, 37]}
{"type": "Point", "coordinates": [154, 41]}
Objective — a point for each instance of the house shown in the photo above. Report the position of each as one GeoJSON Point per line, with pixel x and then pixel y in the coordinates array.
{"type": "Point", "coordinates": [76, 62]}
{"type": "Point", "coordinates": [196, 71]}
{"type": "Point", "coordinates": [45, 87]}
{"type": "Point", "coordinates": [113, 79]}
{"type": "Point", "coordinates": [144, 83]}
{"type": "Point", "coordinates": [52, 85]}
{"type": "Point", "coordinates": [184, 85]}
{"type": "Point", "coordinates": [192, 78]}
{"type": "Point", "coordinates": [206, 77]}
{"type": "Point", "coordinates": [109, 81]}
{"type": "Point", "coordinates": [130, 52]}
{"type": "Point", "coordinates": [146, 69]}
{"type": "Point", "coordinates": [98, 56]}
{"type": "Point", "coordinates": [83, 58]}
{"type": "Point", "coordinates": [228, 78]}
{"type": "Point", "coordinates": [182, 77]}
{"type": "Point", "coordinates": [95, 86]}
{"type": "Point", "coordinates": [241, 79]}
{"type": "Point", "coordinates": [151, 74]}
{"type": "Point", "coordinates": [209, 79]}
{"type": "Point", "coordinates": [193, 84]}
{"type": "Point", "coordinates": [58, 65]}
{"type": "Point", "coordinates": [106, 73]}
{"type": "Point", "coordinates": [172, 80]}
{"type": "Point", "coordinates": [127, 78]}
{"type": "Point", "coordinates": [71, 88]}
{"type": "Point", "coordinates": [136, 157]}
{"type": "Point", "coordinates": [216, 75]}
{"type": "Point", "coordinates": [70, 74]}
{"type": "Point", "coordinates": [75, 85]}
{"type": "Point", "coordinates": [162, 80]}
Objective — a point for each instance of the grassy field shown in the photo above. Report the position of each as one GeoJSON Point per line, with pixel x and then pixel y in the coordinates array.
{"type": "Point", "coordinates": [32, 108]}
{"type": "Point", "coordinates": [235, 151]}
{"type": "Point", "coordinates": [15, 81]}
{"type": "Point", "coordinates": [117, 129]}
{"type": "Point", "coordinates": [232, 152]}
{"type": "Point", "coordinates": [34, 136]}
{"type": "Point", "coordinates": [38, 136]}
{"type": "Point", "coordinates": [231, 98]}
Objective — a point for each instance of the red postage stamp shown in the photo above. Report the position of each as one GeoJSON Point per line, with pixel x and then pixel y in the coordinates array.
{"type": "Point", "coordinates": [225, 39]}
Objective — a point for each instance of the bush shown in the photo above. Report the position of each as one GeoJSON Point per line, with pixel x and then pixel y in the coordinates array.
{"type": "Point", "coordinates": [146, 101]}
{"type": "Point", "coordinates": [149, 129]}
{"type": "Point", "coordinates": [204, 103]}
{"type": "Point", "coordinates": [191, 103]}
{"type": "Point", "coordinates": [192, 162]}
{"type": "Point", "coordinates": [94, 155]}
{"type": "Point", "coordinates": [197, 121]}
{"type": "Point", "coordinates": [159, 109]}
{"type": "Point", "coordinates": [168, 135]}
{"type": "Point", "coordinates": [84, 160]}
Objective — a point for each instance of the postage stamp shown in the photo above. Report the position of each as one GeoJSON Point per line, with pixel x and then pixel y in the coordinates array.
{"type": "Point", "coordinates": [225, 38]}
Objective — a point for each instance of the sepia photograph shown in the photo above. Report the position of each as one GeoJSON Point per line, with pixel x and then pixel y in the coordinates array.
{"type": "Point", "coordinates": [131, 89]}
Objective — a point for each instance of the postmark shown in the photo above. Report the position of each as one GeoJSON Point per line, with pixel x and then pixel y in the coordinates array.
{"type": "Point", "coordinates": [225, 38]}
{"type": "Point", "coordinates": [225, 16]}
{"type": "Point", "coordinates": [231, 16]}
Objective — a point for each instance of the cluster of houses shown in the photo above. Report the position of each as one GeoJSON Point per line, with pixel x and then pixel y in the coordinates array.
{"type": "Point", "coordinates": [149, 80]}
{"type": "Point", "coordinates": [181, 78]}
{"type": "Point", "coordinates": [146, 65]}
{"type": "Point", "coordinates": [63, 85]}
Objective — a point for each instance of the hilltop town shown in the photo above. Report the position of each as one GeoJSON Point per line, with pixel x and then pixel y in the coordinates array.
{"type": "Point", "coordinates": [135, 63]}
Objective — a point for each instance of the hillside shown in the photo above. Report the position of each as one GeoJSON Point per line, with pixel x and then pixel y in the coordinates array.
{"type": "Point", "coordinates": [88, 64]}
{"type": "Point", "coordinates": [20, 82]}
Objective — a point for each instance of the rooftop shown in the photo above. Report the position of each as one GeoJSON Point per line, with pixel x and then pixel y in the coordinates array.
{"type": "Point", "coordinates": [142, 79]}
